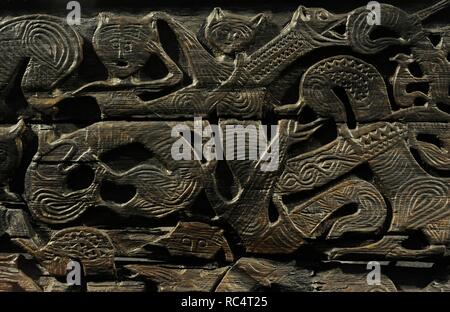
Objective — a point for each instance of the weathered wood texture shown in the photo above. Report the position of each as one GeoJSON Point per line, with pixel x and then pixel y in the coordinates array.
{"type": "Point", "coordinates": [356, 167]}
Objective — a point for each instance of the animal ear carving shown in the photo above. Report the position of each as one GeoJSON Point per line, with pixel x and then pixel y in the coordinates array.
{"type": "Point", "coordinates": [229, 33]}
{"type": "Point", "coordinates": [217, 14]}
{"type": "Point", "coordinates": [102, 18]}
{"type": "Point", "coordinates": [259, 20]}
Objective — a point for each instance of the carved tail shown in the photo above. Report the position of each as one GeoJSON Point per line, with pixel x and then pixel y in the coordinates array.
{"type": "Point", "coordinates": [364, 87]}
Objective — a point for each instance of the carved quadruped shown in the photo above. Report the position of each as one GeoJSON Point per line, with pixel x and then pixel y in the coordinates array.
{"type": "Point", "coordinates": [90, 246]}
{"type": "Point", "coordinates": [156, 184]}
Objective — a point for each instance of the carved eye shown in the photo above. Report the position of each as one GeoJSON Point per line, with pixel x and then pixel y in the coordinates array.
{"type": "Point", "coordinates": [186, 241]}
{"type": "Point", "coordinates": [222, 33]}
{"type": "Point", "coordinates": [202, 243]}
{"type": "Point", "coordinates": [236, 36]}
{"type": "Point", "coordinates": [323, 15]}
{"type": "Point", "coordinates": [128, 47]}
{"type": "Point", "coordinates": [326, 165]}
{"type": "Point", "coordinates": [116, 45]}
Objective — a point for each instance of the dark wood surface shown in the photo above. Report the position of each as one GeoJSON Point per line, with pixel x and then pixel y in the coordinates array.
{"type": "Point", "coordinates": [87, 173]}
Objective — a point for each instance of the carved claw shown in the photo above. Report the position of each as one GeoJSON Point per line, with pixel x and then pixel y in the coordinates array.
{"type": "Point", "coordinates": [153, 47]}
{"type": "Point", "coordinates": [299, 132]}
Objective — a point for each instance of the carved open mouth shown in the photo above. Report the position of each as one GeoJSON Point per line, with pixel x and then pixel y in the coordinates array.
{"type": "Point", "coordinates": [337, 30]}
{"type": "Point", "coordinates": [121, 64]}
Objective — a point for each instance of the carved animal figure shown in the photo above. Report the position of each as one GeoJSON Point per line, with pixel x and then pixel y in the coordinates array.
{"type": "Point", "coordinates": [54, 50]}
{"type": "Point", "coordinates": [248, 210]}
{"type": "Point", "coordinates": [403, 78]}
{"type": "Point", "coordinates": [156, 184]}
{"type": "Point", "coordinates": [362, 83]}
{"type": "Point", "coordinates": [124, 45]}
{"type": "Point", "coordinates": [426, 97]}
{"type": "Point", "coordinates": [90, 246]}
{"type": "Point", "coordinates": [228, 33]}
{"type": "Point", "coordinates": [237, 89]}
{"type": "Point", "coordinates": [196, 239]}
{"type": "Point", "coordinates": [410, 32]}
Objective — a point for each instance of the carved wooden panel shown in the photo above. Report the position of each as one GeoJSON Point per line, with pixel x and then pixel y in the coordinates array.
{"type": "Point", "coordinates": [116, 155]}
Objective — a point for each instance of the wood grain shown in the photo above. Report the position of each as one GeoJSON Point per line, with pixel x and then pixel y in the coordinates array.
{"type": "Point", "coordinates": [351, 165]}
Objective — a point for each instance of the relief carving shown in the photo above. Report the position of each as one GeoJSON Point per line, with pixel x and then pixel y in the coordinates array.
{"type": "Point", "coordinates": [351, 163]}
